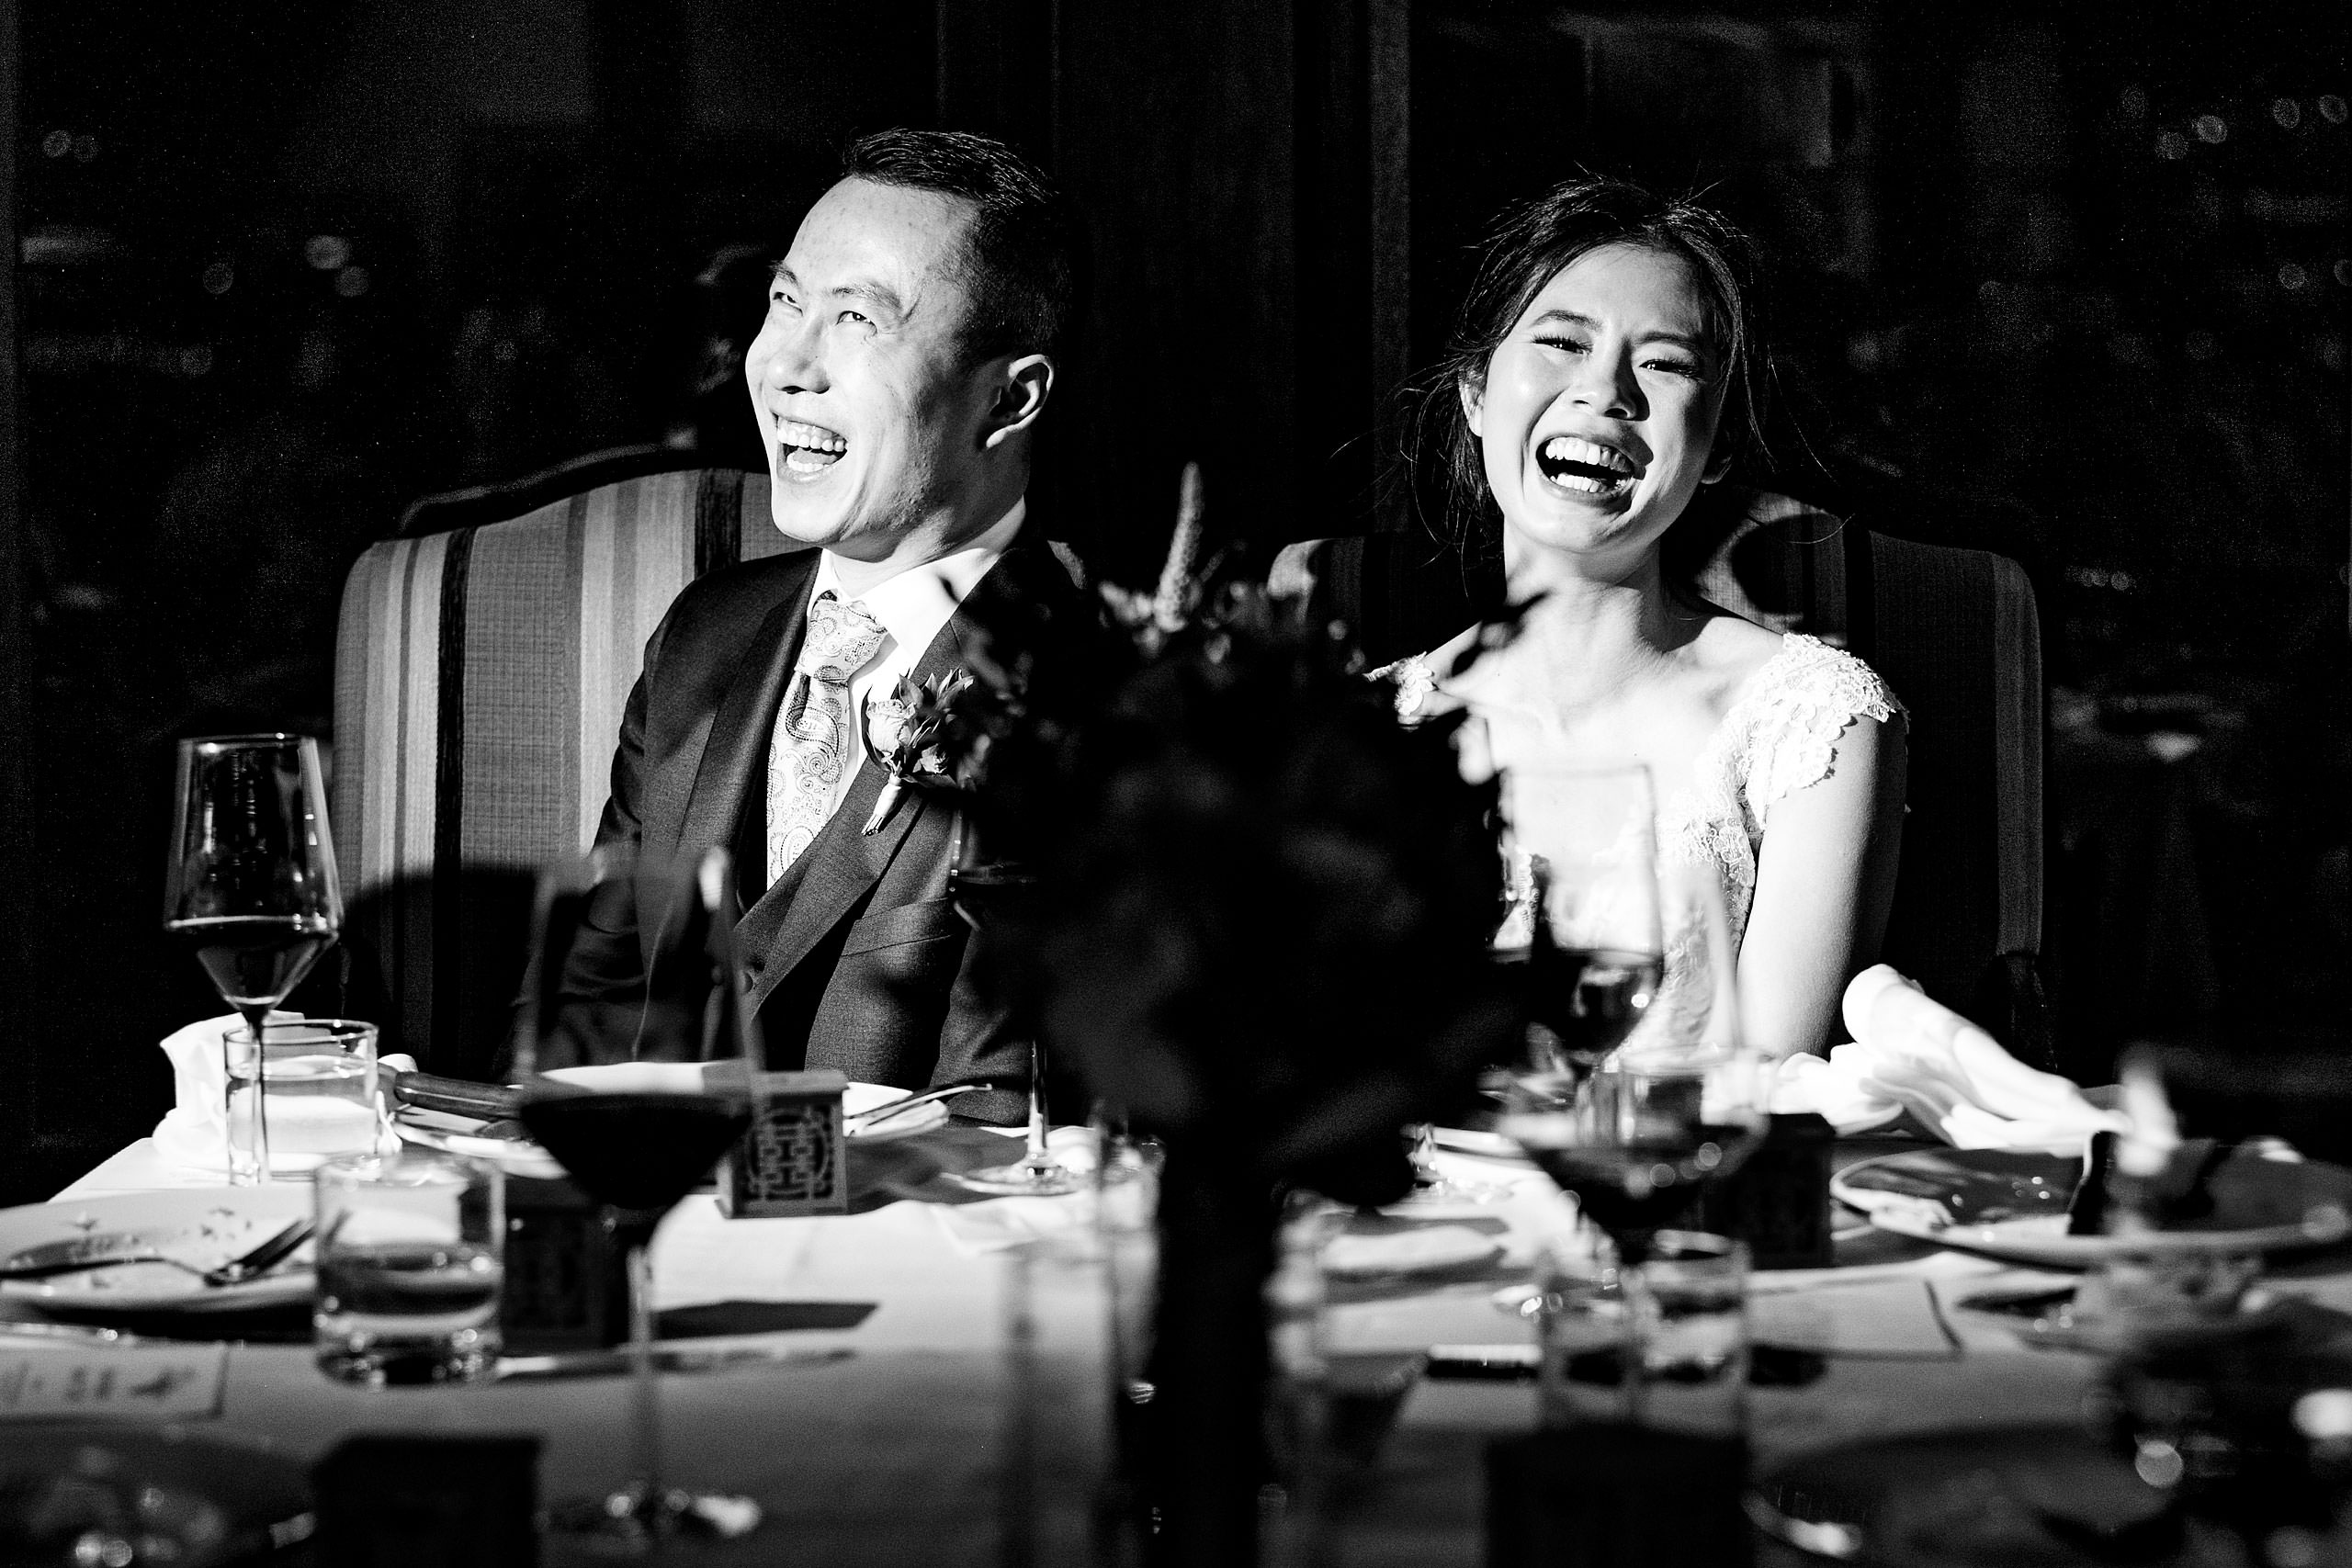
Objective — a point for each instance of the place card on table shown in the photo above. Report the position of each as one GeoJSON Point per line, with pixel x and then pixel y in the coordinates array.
{"type": "Point", "coordinates": [1890, 1317]}
{"type": "Point", "coordinates": [1778, 1201]}
{"type": "Point", "coordinates": [566, 1283]}
{"type": "Point", "coordinates": [429, 1499]}
{"type": "Point", "coordinates": [148, 1382]}
{"type": "Point", "coordinates": [1615, 1496]}
{"type": "Point", "coordinates": [793, 1160]}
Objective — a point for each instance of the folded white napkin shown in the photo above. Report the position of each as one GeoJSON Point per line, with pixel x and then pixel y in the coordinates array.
{"type": "Point", "coordinates": [1912, 1053]}
{"type": "Point", "coordinates": [194, 1133]}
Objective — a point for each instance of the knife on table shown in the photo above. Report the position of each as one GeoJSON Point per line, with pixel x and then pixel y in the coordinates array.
{"type": "Point", "coordinates": [461, 1097]}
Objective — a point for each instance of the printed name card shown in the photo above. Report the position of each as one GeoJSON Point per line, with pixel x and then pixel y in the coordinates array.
{"type": "Point", "coordinates": [151, 1383]}
{"type": "Point", "coordinates": [566, 1280]}
{"type": "Point", "coordinates": [793, 1160]}
{"type": "Point", "coordinates": [1778, 1202]}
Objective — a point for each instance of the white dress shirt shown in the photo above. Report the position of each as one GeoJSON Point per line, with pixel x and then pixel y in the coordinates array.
{"type": "Point", "coordinates": [912, 607]}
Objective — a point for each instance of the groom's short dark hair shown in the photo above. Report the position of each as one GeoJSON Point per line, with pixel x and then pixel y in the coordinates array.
{"type": "Point", "coordinates": [1018, 252]}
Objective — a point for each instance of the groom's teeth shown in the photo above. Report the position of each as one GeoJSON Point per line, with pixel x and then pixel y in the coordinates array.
{"type": "Point", "coordinates": [805, 449]}
{"type": "Point", "coordinates": [812, 437]}
{"type": "Point", "coordinates": [799, 461]}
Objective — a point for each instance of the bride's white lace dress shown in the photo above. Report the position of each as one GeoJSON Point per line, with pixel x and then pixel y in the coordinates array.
{"type": "Point", "coordinates": [1779, 736]}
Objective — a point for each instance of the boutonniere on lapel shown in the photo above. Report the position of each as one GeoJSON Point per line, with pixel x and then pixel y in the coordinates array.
{"type": "Point", "coordinates": [907, 733]}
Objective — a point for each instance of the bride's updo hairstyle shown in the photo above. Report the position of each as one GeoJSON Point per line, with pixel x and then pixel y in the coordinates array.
{"type": "Point", "coordinates": [1527, 248]}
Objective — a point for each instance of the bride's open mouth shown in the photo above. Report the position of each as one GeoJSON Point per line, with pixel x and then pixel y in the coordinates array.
{"type": "Point", "coordinates": [1585, 468]}
{"type": "Point", "coordinates": [805, 450]}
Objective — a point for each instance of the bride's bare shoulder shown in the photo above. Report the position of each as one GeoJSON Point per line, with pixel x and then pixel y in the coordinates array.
{"type": "Point", "coordinates": [1729, 651]}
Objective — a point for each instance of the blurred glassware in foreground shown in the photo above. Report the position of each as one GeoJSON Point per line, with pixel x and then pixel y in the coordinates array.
{"type": "Point", "coordinates": [1676, 1108]}
{"type": "Point", "coordinates": [639, 1142]}
{"type": "Point", "coordinates": [411, 1260]}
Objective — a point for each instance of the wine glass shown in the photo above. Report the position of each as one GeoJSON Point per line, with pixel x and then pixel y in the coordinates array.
{"type": "Point", "coordinates": [642, 1137]}
{"type": "Point", "coordinates": [1637, 1134]}
{"type": "Point", "coordinates": [1579, 931]}
{"type": "Point", "coordinates": [252, 882]}
{"type": "Point", "coordinates": [979, 889]}
{"type": "Point", "coordinates": [1582, 924]}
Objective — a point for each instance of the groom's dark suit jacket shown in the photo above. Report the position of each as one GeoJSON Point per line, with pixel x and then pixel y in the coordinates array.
{"type": "Point", "coordinates": [856, 958]}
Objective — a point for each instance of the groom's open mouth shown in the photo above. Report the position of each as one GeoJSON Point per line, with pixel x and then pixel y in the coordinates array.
{"type": "Point", "coordinates": [805, 450]}
{"type": "Point", "coordinates": [1585, 468]}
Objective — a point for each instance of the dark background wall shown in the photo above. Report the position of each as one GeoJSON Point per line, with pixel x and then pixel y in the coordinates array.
{"type": "Point", "coordinates": [2069, 281]}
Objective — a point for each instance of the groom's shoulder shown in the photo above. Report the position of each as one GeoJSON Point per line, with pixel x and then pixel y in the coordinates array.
{"type": "Point", "coordinates": [1035, 595]}
{"type": "Point", "coordinates": [714, 616]}
{"type": "Point", "coordinates": [748, 590]}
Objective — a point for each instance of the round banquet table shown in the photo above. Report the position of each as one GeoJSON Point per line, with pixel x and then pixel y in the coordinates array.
{"type": "Point", "coordinates": [901, 1450]}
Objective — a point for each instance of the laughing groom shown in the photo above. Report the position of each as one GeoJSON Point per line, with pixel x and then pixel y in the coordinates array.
{"type": "Point", "coordinates": [908, 353]}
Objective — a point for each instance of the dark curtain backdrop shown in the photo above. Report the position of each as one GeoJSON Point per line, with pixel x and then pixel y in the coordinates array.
{"type": "Point", "coordinates": [2064, 281]}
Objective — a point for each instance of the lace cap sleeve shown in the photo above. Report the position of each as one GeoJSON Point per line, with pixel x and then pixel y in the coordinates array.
{"type": "Point", "coordinates": [1804, 699]}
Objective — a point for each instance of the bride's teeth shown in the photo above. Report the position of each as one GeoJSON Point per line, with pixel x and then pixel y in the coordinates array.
{"type": "Point", "coordinates": [1576, 450]}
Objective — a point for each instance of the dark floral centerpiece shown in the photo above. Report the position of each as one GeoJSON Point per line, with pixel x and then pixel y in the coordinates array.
{"type": "Point", "coordinates": [1259, 932]}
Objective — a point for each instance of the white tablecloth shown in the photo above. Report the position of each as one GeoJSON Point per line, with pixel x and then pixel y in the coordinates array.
{"type": "Point", "coordinates": [898, 1452]}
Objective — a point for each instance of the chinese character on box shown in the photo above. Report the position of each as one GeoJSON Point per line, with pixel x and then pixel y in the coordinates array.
{"type": "Point", "coordinates": [792, 1161]}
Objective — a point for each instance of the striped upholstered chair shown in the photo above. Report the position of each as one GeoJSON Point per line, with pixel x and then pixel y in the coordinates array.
{"type": "Point", "coordinates": [1954, 631]}
{"type": "Point", "coordinates": [480, 671]}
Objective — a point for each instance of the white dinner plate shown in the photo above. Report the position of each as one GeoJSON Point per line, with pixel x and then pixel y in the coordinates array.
{"type": "Point", "coordinates": [639, 1077]}
{"type": "Point", "coordinates": [454, 1134]}
{"type": "Point", "coordinates": [202, 1227]}
{"type": "Point", "coordinates": [1429, 1250]}
{"type": "Point", "coordinates": [870, 1096]}
{"type": "Point", "coordinates": [687, 1077]}
{"type": "Point", "coordinates": [1473, 1141]}
{"type": "Point", "coordinates": [2012, 1206]}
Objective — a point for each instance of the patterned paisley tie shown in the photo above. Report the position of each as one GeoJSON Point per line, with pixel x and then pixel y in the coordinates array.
{"type": "Point", "coordinates": [813, 742]}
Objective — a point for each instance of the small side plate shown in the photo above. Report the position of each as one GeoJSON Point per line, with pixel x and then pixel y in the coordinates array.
{"type": "Point", "coordinates": [205, 1225]}
{"type": "Point", "coordinates": [2012, 1206]}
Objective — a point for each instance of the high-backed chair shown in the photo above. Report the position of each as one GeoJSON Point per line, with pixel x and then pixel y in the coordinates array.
{"type": "Point", "coordinates": [1954, 631]}
{"type": "Point", "coordinates": [480, 671]}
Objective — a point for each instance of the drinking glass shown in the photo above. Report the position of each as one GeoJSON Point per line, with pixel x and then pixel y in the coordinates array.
{"type": "Point", "coordinates": [1579, 931]}
{"type": "Point", "coordinates": [638, 1149]}
{"type": "Point", "coordinates": [1583, 921]}
{"type": "Point", "coordinates": [982, 888]}
{"type": "Point", "coordinates": [250, 885]}
{"type": "Point", "coordinates": [411, 1250]}
{"type": "Point", "coordinates": [1677, 1105]}
{"type": "Point", "coordinates": [1671, 1352]}
{"type": "Point", "coordinates": [311, 1084]}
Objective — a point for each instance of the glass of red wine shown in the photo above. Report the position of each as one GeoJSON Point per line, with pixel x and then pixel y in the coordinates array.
{"type": "Point", "coordinates": [638, 1136]}
{"type": "Point", "coordinates": [982, 889]}
{"type": "Point", "coordinates": [250, 885]}
{"type": "Point", "coordinates": [1637, 1133]}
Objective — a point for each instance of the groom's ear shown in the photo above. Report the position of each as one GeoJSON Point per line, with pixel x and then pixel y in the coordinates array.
{"type": "Point", "coordinates": [1021, 389]}
{"type": "Point", "coordinates": [1471, 391]}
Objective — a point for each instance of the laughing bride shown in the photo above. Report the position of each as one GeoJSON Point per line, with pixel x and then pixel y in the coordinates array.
{"type": "Point", "coordinates": [1602, 370]}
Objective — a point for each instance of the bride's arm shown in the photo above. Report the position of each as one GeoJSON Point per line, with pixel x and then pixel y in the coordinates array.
{"type": "Point", "coordinates": [1824, 878]}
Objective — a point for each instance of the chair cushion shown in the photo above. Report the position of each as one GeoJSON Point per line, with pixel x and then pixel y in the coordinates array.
{"type": "Point", "coordinates": [480, 678]}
